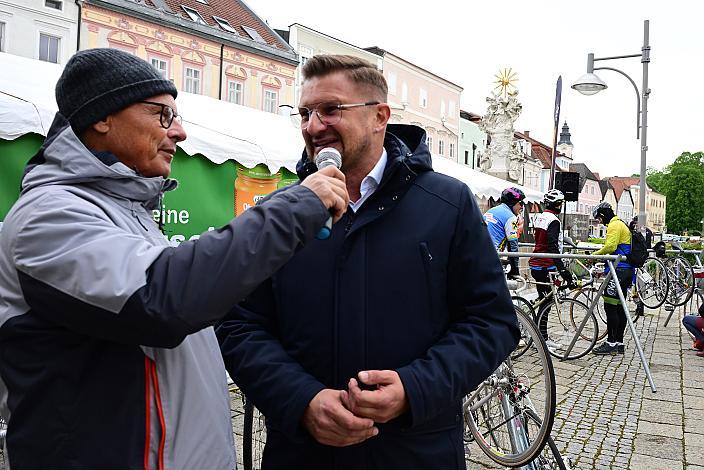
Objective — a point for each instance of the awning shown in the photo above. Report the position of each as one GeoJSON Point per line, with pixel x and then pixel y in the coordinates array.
{"type": "Point", "coordinates": [218, 130]}
{"type": "Point", "coordinates": [481, 184]}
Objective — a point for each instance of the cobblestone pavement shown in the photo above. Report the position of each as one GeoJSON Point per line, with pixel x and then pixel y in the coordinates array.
{"type": "Point", "coordinates": [607, 416]}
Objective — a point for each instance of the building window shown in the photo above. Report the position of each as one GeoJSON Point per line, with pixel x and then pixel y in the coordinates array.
{"type": "Point", "coordinates": [192, 80]}
{"type": "Point", "coordinates": [423, 101]}
{"type": "Point", "coordinates": [254, 34]}
{"type": "Point", "coordinates": [234, 91]}
{"type": "Point", "coordinates": [451, 111]}
{"type": "Point", "coordinates": [271, 101]}
{"type": "Point", "coordinates": [194, 15]}
{"type": "Point", "coordinates": [161, 65]}
{"type": "Point", "coordinates": [54, 4]}
{"type": "Point", "coordinates": [442, 108]}
{"type": "Point", "coordinates": [392, 83]}
{"type": "Point", "coordinates": [452, 149]}
{"type": "Point", "coordinates": [49, 48]}
{"type": "Point", "coordinates": [404, 93]}
{"type": "Point", "coordinates": [2, 36]}
{"type": "Point", "coordinates": [429, 141]}
{"type": "Point", "coordinates": [224, 24]}
{"type": "Point", "coordinates": [441, 147]}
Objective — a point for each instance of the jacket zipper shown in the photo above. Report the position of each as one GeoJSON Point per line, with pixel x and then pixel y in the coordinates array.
{"type": "Point", "coordinates": [427, 258]}
{"type": "Point", "coordinates": [134, 214]}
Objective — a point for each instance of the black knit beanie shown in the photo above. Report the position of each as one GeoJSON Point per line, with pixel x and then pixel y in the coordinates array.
{"type": "Point", "coordinates": [98, 82]}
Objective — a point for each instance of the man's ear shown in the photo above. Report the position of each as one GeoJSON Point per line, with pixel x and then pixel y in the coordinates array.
{"type": "Point", "coordinates": [381, 117]}
{"type": "Point", "coordinates": [102, 127]}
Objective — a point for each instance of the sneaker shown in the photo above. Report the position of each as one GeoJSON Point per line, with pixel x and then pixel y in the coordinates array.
{"type": "Point", "coordinates": [620, 349]}
{"type": "Point", "coordinates": [698, 345]}
{"type": "Point", "coordinates": [605, 348]}
{"type": "Point", "coordinates": [552, 344]}
{"type": "Point", "coordinates": [700, 353]}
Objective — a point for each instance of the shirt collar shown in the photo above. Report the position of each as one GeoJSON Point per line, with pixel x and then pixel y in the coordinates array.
{"type": "Point", "coordinates": [374, 176]}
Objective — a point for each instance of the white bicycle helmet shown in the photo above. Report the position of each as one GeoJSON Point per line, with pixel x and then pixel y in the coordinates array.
{"type": "Point", "coordinates": [553, 197]}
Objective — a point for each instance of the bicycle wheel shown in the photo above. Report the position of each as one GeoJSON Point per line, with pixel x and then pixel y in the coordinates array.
{"type": "Point", "coordinates": [564, 319]}
{"type": "Point", "coordinates": [681, 278]}
{"type": "Point", "coordinates": [549, 458]}
{"type": "Point", "coordinates": [495, 414]}
{"type": "Point", "coordinates": [253, 437]}
{"type": "Point", "coordinates": [652, 283]}
{"type": "Point", "coordinates": [586, 296]}
{"type": "Point", "coordinates": [526, 341]}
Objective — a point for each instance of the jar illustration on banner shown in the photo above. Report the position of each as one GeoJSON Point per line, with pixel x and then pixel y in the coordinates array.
{"type": "Point", "coordinates": [252, 184]}
{"type": "Point", "coordinates": [287, 178]}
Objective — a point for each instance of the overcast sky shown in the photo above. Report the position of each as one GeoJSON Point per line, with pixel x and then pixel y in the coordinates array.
{"type": "Point", "coordinates": [469, 42]}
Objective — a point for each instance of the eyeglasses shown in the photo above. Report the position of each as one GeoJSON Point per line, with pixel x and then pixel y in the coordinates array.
{"type": "Point", "coordinates": [329, 113]}
{"type": "Point", "coordinates": [167, 116]}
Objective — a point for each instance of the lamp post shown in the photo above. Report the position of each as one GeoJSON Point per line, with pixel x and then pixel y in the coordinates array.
{"type": "Point", "coordinates": [590, 84]}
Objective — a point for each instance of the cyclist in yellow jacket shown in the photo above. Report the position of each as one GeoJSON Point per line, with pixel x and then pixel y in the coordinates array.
{"type": "Point", "coordinates": [618, 242]}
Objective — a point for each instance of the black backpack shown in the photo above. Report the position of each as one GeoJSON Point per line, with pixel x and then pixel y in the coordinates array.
{"type": "Point", "coordinates": [639, 249]}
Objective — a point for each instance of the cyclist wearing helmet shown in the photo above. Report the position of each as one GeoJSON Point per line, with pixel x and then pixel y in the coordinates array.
{"type": "Point", "coordinates": [618, 242]}
{"type": "Point", "coordinates": [548, 239]}
{"type": "Point", "coordinates": [502, 222]}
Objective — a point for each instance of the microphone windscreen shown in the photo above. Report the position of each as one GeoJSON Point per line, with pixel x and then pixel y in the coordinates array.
{"type": "Point", "coordinates": [327, 157]}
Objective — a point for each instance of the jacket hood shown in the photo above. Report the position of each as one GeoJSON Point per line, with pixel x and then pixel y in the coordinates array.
{"type": "Point", "coordinates": [403, 143]}
{"type": "Point", "coordinates": [63, 159]}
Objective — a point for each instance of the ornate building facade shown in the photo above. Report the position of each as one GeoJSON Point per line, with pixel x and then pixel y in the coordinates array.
{"type": "Point", "coordinates": [218, 49]}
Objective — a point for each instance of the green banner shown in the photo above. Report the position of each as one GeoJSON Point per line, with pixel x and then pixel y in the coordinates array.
{"type": "Point", "coordinates": [204, 200]}
{"type": "Point", "coordinates": [14, 155]}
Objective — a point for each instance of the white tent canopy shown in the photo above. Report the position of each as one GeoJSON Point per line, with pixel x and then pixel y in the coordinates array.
{"type": "Point", "coordinates": [217, 129]}
{"type": "Point", "coordinates": [481, 184]}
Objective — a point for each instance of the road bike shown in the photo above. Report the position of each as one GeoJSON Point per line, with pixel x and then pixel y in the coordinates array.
{"type": "Point", "coordinates": [650, 289]}
{"type": "Point", "coordinates": [681, 278]}
{"type": "Point", "coordinates": [253, 436]}
{"type": "Point", "coordinates": [510, 414]}
{"type": "Point", "coordinates": [567, 321]}
{"type": "Point", "coordinates": [254, 427]}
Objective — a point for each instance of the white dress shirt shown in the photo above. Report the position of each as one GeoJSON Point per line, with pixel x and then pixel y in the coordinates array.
{"type": "Point", "coordinates": [370, 182]}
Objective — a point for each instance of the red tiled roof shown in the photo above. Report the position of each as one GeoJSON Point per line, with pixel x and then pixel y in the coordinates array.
{"type": "Point", "coordinates": [619, 185]}
{"type": "Point", "coordinates": [235, 12]}
{"type": "Point", "coordinates": [540, 151]}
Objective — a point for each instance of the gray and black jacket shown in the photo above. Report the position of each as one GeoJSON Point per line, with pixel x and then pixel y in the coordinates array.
{"type": "Point", "coordinates": [107, 354]}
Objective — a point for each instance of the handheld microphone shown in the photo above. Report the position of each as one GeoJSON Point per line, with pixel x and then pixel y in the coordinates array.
{"type": "Point", "coordinates": [327, 157]}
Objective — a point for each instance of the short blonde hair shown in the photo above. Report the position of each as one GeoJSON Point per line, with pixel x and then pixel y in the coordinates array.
{"type": "Point", "coordinates": [356, 69]}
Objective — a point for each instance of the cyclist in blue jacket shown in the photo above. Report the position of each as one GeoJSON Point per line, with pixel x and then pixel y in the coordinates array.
{"type": "Point", "coordinates": [502, 222]}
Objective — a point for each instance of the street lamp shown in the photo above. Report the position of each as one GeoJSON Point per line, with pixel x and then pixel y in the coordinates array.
{"type": "Point", "coordinates": [590, 84]}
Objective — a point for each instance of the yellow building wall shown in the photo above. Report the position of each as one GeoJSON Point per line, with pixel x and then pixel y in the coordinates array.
{"type": "Point", "coordinates": [104, 28]}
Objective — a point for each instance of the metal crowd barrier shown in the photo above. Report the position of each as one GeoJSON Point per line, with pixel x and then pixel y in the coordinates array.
{"type": "Point", "coordinates": [609, 259]}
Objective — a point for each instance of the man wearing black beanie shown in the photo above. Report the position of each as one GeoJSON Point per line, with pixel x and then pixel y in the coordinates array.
{"type": "Point", "coordinates": [107, 353]}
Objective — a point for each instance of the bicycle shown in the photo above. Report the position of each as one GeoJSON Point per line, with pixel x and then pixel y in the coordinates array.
{"type": "Point", "coordinates": [649, 289]}
{"type": "Point", "coordinates": [3, 434]}
{"type": "Point", "coordinates": [254, 429]}
{"type": "Point", "coordinates": [563, 317]}
{"type": "Point", "coordinates": [253, 436]}
{"type": "Point", "coordinates": [501, 415]}
{"type": "Point", "coordinates": [681, 277]}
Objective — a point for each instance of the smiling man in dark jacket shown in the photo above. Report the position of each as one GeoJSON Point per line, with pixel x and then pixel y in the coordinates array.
{"type": "Point", "coordinates": [360, 349]}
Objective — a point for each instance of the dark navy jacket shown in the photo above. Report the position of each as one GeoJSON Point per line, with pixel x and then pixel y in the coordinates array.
{"type": "Point", "coordinates": [411, 282]}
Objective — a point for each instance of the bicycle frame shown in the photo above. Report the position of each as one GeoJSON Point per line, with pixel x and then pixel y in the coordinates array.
{"type": "Point", "coordinates": [610, 260]}
{"type": "Point", "coordinates": [518, 436]}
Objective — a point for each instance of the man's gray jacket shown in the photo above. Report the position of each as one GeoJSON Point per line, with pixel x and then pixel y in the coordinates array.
{"type": "Point", "coordinates": [107, 353]}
